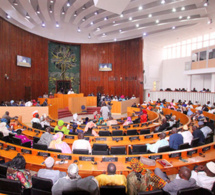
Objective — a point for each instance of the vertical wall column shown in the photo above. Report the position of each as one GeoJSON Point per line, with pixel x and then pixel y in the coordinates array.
{"type": "Point", "coordinates": [189, 82]}
{"type": "Point", "coordinates": [213, 82]}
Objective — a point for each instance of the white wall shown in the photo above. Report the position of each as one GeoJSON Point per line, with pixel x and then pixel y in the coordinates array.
{"type": "Point", "coordinates": [201, 81]}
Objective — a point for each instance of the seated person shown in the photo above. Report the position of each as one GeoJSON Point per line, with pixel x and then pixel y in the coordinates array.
{"type": "Point", "coordinates": [23, 138]}
{"type": "Point", "coordinates": [163, 126]}
{"type": "Point", "coordinates": [49, 173]}
{"type": "Point", "coordinates": [205, 129]}
{"type": "Point", "coordinates": [189, 112]}
{"type": "Point", "coordinates": [57, 143]}
{"type": "Point", "coordinates": [128, 121]}
{"type": "Point", "coordinates": [3, 129]}
{"type": "Point", "coordinates": [160, 143]}
{"type": "Point", "coordinates": [7, 116]}
{"type": "Point", "coordinates": [45, 121]}
{"type": "Point", "coordinates": [184, 181]}
{"type": "Point", "coordinates": [172, 121]}
{"type": "Point", "coordinates": [46, 137]}
{"type": "Point", "coordinates": [89, 129]}
{"type": "Point", "coordinates": [86, 121]}
{"type": "Point", "coordinates": [45, 103]}
{"type": "Point", "coordinates": [134, 105]}
{"type": "Point", "coordinates": [81, 143]}
{"type": "Point", "coordinates": [61, 127]}
{"type": "Point", "coordinates": [197, 133]}
{"type": "Point", "coordinates": [111, 179]}
{"type": "Point", "coordinates": [112, 122]}
{"type": "Point", "coordinates": [73, 181]}
{"type": "Point", "coordinates": [143, 118]}
{"type": "Point", "coordinates": [175, 140]}
{"type": "Point", "coordinates": [75, 119]}
{"type": "Point", "coordinates": [36, 118]}
{"type": "Point", "coordinates": [187, 135]}
{"type": "Point", "coordinates": [101, 121]}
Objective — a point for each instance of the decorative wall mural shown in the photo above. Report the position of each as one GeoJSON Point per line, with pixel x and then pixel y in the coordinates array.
{"type": "Point", "coordinates": [64, 65]}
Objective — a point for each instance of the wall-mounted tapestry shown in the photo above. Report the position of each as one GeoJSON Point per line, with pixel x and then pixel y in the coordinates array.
{"type": "Point", "coordinates": [64, 65]}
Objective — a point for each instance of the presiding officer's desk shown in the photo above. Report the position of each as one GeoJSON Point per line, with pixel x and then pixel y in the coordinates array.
{"type": "Point", "coordinates": [34, 161]}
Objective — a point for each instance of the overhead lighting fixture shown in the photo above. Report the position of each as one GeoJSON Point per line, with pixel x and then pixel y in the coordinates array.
{"type": "Point", "coordinates": [173, 28]}
{"type": "Point", "coordinates": [89, 36]}
{"type": "Point", "coordinates": [115, 39]}
{"type": "Point", "coordinates": [68, 3]}
{"type": "Point", "coordinates": [51, 1]}
{"type": "Point", "coordinates": [144, 34]}
{"type": "Point", "coordinates": [92, 23]}
{"type": "Point", "coordinates": [157, 21]}
{"type": "Point", "coordinates": [206, 3]}
{"type": "Point", "coordinates": [57, 25]}
{"type": "Point", "coordinates": [150, 15]}
{"type": "Point", "coordinates": [209, 21]}
{"type": "Point", "coordinates": [75, 14]}
{"type": "Point", "coordinates": [137, 25]}
{"type": "Point", "coordinates": [63, 11]}
{"type": "Point", "coordinates": [163, 2]}
{"type": "Point", "coordinates": [83, 19]}
{"type": "Point", "coordinates": [84, 7]}
{"type": "Point", "coordinates": [8, 16]}
{"type": "Point", "coordinates": [27, 16]}
{"type": "Point", "coordinates": [15, 2]}
{"type": "Point", "coordinates": [140, 8]}
{"type": "Point", "coordinates": [38, 10]}
{"type": "Point", "coordinates": [50, 9]}
{"type": "Point", "coordinates": [43, 24]}
{"type": "Point", "coordinates": [173, 10]}
{"type": "Point", "coordinates": [114, 22]}
{"type": "Point", "coordinates": [105, 18]}
{"type": "Point", "coordinates": [79, 30]}
{"type": "Point", "coordinates": [98, 28]}
{"type": "Point", "coordinates": [121, 15]}
{"type": "Point", "coordinates": [183, 8]}
{"type": "Point", "coordinates": [188, 17]}
{"type": "Point", "coordinates": [103, 34]}
{"type": "Point", "coordinates": [180, 17]}
{"type": "Point", "coordinates": [120, 30]}
{"type": "Point", "coordinates": [96, 13]}
{"type": "Point", "coordinates": [130, 18]}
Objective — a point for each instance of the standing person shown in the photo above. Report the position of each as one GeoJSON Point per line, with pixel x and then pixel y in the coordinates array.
{"type": "Point", "coordinates": [98, 98]}
{"type": "Point", "coordinates": [109, 107]}
{"type": "Point", "coordinates": [104, 111]}
{"type": "Point", "coordinates": [7, 116]}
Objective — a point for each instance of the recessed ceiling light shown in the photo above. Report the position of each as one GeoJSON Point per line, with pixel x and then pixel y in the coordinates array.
{"type": "Point", "coordinates": [163, 2]}
{"type": "Point", "coordinates": [206, 3]}
{"type": "Point", "coordinates": [137, 25]}
{"type": "Point", "coordinates": [98, 28]}
{"type": "Point", "coordinates": [50, 9]}
{"type": "Point", "coordinates": [75, 14]}
{"type": "Point", "coordinates": [121, 15]}
{"type": "Point", "coordinates": [92, 23]}
{"type": "Point", "coordinates": [140, 8]}
{"type": "Point", "coordinates": [120, 30]}
{"type": "Point", "coordinates": [144, 34]}
{"type": "Point", "coordinates": [188, 17]}
{"type": "Point", "coordinates": [51, 1]}
{"type": "Point", "coordinates": [209, 21]}
{"type": "Point", "coordinates": [103, 34]}
{"type": "Point", "coordinates": [173, 28]}
{"type": "Point", "coordinates": [38, 9]}
{"type": "Point", "coordinates": [89, 36]}
{"type": "Point", "coordinates": [57, 25]}
{"type": "Point", "coordinates": [96, 13]}
{"type": "Point", "coordinates": [79, 30]}
{"type": "Point", "coordinates": [173, 10]}
{"type": "Point", "coordinates": [27, 16]}
{"type": "Point", "coordinates": [68, 3]}
{"type": "Point", "coordinates": [130, 18]}
{"type": "Point", "coordinates": [63, 12]}
{"type": "Point", "coordinates": [180, 17]}
{"type": "Point", "coordinates": [84, 7]}
{"type": "Point", "coordinates": [114, 22]}
{"type": "Point", "coordinates": [157, 21]}
{"type": "Point", "coordinates": [83, 19]}
{"type": "Point", "coordinates": [183, 8]}
{"type": "Point", "coordinates": [105, 18]}
{"type": "Point", "coordinates": [43, 24]}
{"type": "Point", "coordinates": [15, 2]}
{"type": "Point", "coordinates": [150, 15]}
{"type": "Point", "coordinates": [115, 39]}
{"type": "Point", "coordinates": [8, 16]}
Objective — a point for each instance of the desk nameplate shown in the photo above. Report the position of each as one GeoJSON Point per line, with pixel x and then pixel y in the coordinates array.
{"type": "Point", "coordinates": [205, 149]}
{"type": "Point", "coordinates": [101, 139]}
{"type": "Point", "coordinates": [11, 147]}
{"type": "Point", "coordinates": [26, 151]}
{"type": "Point", "coordinates": [148, 136]}
{"type": "Point", "coordinates": [128, 159]}
{"type": "Point", "coordinates": [45, 154]}
{"type": "Point", "coordinates": [69, 136]}
{"type": "Point", "coordinates": [117, 138]}
{"type": "Point", "coordinates": [86, 158]}
{"type": "Point", "coordinates": [175, 155]}
{"type": "Point", "coordinates": [109, 159]}
{"type": "Point", "coordinates": [155, 157]}
{"type": "Point", "coordinates": [64, 157]}
{"type": "Point", "coordinates": [191, 152]}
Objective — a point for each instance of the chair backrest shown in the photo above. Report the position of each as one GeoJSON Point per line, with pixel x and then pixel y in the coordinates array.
{"type": "Point", "coordinates": [3, 171]}
{"type": "Point", "coordinates": [139, 149]}
{"type": "Point", "coordinates": [164, 149]}
{"type": "Point", "coordinates": [195, 142]}
{"type": "Point", "coordinates": [1, 135]}
{"type": "Point", "coordinates": [132, 132]}
{"type": "Point", "coordinates": [40, 146]}
{"type": "Point", "coordinates": [118, 150]}
{"type": "Point", "coordinates": [126, 126]}
{"type": "Point", "coordinates": [8, 186]}
{"type": "Point", "coordinates": [40, 185]}
{"type": "Point", "coordinates": [104, 133]}
{"type": "Point", "coordinates": [136, 125]}
{"type": "Point", "coordinates": [115, 127]}
{"type": "Point", "coordinates": [107, 190]}
{"type": "Point", "coordinates": [37, 125]}
{"type": "Point", "coordinates": [76, 192]}
{"type": "Point", "coordinates": [194, 191]}
{"type": "Point", "coordinates": [100, 147]}
{"type": "Point", "coordinates": [80, 151]}
{"type": "Point", "coordinates": [17, 141]}
{"type": "Point", "coordinates": [208, 139]}
{"type": "Point", "coordinates": [144, 131]}
{"type": "Point", "coordinates": [54, 150]}
{"type": "Point", "coordinates": [154, 192]}
{"type": "Point", "coordinates": [184, 146]}
{"type": "Point", "coordinates": [117, 133]}
{"type": "Point", "coordinates": [36, 139]}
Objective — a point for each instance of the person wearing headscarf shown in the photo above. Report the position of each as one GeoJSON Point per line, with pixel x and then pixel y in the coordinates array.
{"type": "Point", "coordinates": [189, 112]}
{"type": "Point", "coordinates": [89, 129]}
{"type": "Point", "coordinates": [57, 143]}
{"type": "Point", "coordinates": [128, 121]}
{"type": "Point", "coordinates": [73, 182]}
{"type": "Point", "coordinates": [34, 102]}
{"type": "Point", "coordinates": [3, 129]}
{"type": "Point", "coordinates": [142, 179]}
{"type": "Point", "coordinates": [23, 138]}
{"type": "Point", "coordinates": [101, 122]}
{"type": "Point", "coordinates": [61, 127]}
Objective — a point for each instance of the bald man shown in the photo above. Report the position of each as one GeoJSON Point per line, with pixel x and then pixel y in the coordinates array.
{"type": "Point", "coordinates": [183, 182]}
